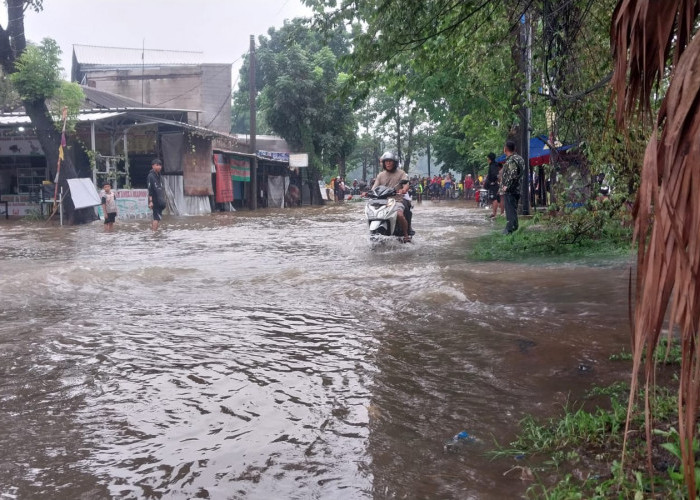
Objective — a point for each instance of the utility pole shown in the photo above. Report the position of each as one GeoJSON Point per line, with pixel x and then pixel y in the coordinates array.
{"type": "Point", "coordinates": [253, 202]}
{"type": "Point", "coordinates": [526, 46]}
{"type": "Point", "coordinates": [143, 67]}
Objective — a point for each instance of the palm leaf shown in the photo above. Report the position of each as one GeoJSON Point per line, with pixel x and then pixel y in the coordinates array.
{"type": "Point", "coordinates": [650, 39]}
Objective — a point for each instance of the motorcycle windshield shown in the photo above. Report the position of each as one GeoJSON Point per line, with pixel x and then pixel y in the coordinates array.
{"type": "Point", "coordinates": [381, 192]}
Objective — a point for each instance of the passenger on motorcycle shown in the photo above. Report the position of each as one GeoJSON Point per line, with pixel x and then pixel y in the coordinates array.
{"type": "Point", "coordinates": [394, 177]}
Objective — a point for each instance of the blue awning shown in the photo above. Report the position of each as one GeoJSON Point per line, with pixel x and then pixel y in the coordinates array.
{"type": "Point", "coordinates": [539, 151]}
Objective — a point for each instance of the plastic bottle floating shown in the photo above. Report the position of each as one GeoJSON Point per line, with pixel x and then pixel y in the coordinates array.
{"type": "Point", "coordinates": [458, 440]}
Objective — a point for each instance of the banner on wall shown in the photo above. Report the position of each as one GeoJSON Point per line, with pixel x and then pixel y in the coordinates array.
{"type": "Point", "coordinates": [224, 182]}
{"type": "Point", "coordinates": [131, 204]}
{"type": "Point", "coordinates": [240, 169]}
{"type": "Point", "coordinates": [273, 155]}
{"type": "Point", "coordinates": [298, 160]}
{"type": "Point", "coordinates": [197, 166]}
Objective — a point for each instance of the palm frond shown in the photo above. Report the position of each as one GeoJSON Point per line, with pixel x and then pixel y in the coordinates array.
{"type": "Point", "coordinates": [649, 39]}
{"type": "Point", "coordinates": [645, 36]}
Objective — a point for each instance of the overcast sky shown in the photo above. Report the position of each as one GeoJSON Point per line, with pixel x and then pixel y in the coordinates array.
{"type": "Point", "coordinates": [220, 29]}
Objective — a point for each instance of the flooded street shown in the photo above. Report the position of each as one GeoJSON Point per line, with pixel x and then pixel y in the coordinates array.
{"type": "Point", "coordinates": [277, 354]}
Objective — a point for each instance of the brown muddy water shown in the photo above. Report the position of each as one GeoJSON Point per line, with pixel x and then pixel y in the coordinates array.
{"type": "Point", "coordinates": [277, 354]}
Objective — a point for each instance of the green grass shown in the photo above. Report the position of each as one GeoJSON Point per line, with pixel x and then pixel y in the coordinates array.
{"type": "Point", "coordinates": [573, 236]}
{"type": "Point", "coordinates": [662, 355]}
{"type": "Point", "coordinates": [589, 443]}
{"type": "Point", "coordinates": [576, 427]}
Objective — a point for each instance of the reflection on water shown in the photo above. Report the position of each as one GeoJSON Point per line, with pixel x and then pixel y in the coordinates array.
{"type": "Point", "coordinates": [278, 355]}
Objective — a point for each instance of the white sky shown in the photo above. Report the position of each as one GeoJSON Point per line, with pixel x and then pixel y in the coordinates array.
{"type": "Point", "coordinates": [220, 29]}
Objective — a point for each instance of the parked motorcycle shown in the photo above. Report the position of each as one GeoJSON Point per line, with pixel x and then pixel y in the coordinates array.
{"type": "Point", "coordinates": [381, 211]}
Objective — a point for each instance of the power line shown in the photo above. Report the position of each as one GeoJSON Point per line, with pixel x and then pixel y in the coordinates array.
{"type": "Point", "coordinates": [197, 86]}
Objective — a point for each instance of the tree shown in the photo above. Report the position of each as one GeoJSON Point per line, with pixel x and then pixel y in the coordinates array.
{"type": "Point", "coordinates": [397, 121]}
{"type": "Point", "coordinates": [366, 156]}
{"type": "Point", "coordinates": [298, 78]}
{"type": "Point", "coordinates": [461, 62]}
{"type": "Point", "coordinates": [35, 73]}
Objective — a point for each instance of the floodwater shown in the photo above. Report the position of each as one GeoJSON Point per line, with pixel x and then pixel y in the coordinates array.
{"type": "Point", "coordinates": [277, 354]}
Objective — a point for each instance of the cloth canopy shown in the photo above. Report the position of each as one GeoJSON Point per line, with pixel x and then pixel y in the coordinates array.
{"type": "Point", "coordinates": [539, 151]}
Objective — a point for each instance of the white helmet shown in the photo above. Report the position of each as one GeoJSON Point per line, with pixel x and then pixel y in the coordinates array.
{"type": "Point", "coordinates": [389, 156]}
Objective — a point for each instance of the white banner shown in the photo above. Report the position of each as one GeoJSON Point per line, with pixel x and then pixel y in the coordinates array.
{"type": "Point", "coordinates": [83, 193]}
{"type": "Point", "coordinates": [299, 160]}
{"type": "Point", "coordinates": [322, 187]}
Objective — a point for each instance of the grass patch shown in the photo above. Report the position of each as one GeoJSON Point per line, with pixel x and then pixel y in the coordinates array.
{"type": "Point", "coordinates": [581, 233]}
{"type": "Point", "coordinates": [576, 454]}
{"type": "Point", "coordinates": [667, 354]}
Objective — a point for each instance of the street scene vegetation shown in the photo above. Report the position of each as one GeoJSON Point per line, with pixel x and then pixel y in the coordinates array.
{"type": "Point", "coordinates": [616, 79]}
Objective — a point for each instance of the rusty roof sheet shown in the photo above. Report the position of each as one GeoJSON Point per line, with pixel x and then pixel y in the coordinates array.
{"type": "Point", "coordinates": [109, 100]}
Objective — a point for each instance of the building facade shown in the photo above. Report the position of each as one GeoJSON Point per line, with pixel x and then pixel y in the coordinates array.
{"type": "Point", "coordinates": [160, 78]}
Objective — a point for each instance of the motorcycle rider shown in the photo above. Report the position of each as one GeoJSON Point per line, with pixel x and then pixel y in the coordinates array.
{"type": "Point", "coordinates": [394, 177]}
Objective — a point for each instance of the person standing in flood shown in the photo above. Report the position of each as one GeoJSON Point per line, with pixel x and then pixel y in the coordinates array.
{"type": "Point", "coordinates": [491, 184]}
{"type": "Point", "coordinates": [468, 187]}
{"type": "Point", "coordinates": [109, 206]}
{"type": "Point", "coordinates": [157, 200]}
{"type": "Point", "coordinates": [510, 185]}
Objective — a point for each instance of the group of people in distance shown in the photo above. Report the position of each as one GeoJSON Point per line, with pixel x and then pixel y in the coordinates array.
{"type": "Point", "coordinates": [502, 184]}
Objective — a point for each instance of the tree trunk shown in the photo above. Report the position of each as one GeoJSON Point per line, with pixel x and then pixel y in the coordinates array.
{"type": "Point", "coordinates": [514, 10]}
{"type": "Point", "coordinates": [397, 120]}
{"type": "Point", "coordinates": [409, 139]}
{"type": "Point", "coordinates": [12, 45]}
{"type": "Point", "coordinates": [50, 139]}
{"type": "Point", "coordinates": [341, 166]}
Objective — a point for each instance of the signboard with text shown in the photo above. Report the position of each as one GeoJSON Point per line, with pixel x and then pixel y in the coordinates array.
{"type": "Point", "coordinates": [298, 159]}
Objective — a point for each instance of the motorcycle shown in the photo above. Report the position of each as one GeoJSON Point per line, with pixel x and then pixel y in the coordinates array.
{"type": "Point", "coordinates": [381, 211]}
{"type": "Point", "coordinates": [483, 198]}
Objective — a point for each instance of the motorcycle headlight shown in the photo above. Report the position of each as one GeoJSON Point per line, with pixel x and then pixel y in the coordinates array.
{"type": "Point", "coordinates": [390, 202]}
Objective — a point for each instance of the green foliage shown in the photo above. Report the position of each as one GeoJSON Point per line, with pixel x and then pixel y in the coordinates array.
{"type": "Point", "coordinates": [38, 78]}
{"type": "Point", "coordinates": [449, 145]}
{"type": "Point", "coordinates": [70, 96]}
{"type": "Point", "coordinates": [32, 215]}
{"type": "Point", "coordinates": [38, 72]}
{"type": "Point", "coordinates": [616, 484]}
{"type": "Point", "coordinates": [673, 446]}
{"type": "Point", "coordinates": [574, 428]}
{"type": "Point", "coordinates": [9, 98]}
{"type": "Point", "coordinates": [298, 79]}
{"type": "Point", "coordinates": [666, 353]}
{"type": "Point", "coordinates": [588, 440]}
{"type": "Point", "coordinates": [459, 62]}
{"type": "Point", "coordinates": [623, 356]}
{"type": "Point", "coordinates": [578, 233]}
{"type": "Point", "coordinates": [617, 389]}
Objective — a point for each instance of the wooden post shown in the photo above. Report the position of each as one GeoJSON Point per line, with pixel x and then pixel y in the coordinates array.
{"type": "Point", "coordinates": [253, 147]}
